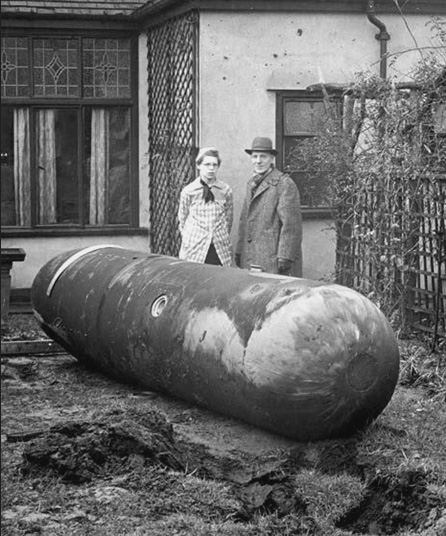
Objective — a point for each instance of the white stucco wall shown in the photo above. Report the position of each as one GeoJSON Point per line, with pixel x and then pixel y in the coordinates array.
{"type": "Point", "coordinates": [318, 249]}
{"type": "Point", "coordinates": [244, 56]}
{"type": "Point", "coordinates": [40, 250]}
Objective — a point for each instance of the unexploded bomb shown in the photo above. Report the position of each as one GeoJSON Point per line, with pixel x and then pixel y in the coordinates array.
{"type": "Point", "coordinates": [297, 357]}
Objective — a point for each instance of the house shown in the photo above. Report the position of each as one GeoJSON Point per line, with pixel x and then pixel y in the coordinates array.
{"type": "Point", "coordinates": [105, 104]}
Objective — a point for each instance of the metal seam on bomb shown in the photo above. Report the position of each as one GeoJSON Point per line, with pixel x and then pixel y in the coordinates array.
{"type": "Point", "coordinates": [73, 259]}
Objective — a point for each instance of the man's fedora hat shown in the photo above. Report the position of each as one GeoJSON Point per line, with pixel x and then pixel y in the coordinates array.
{"type": "Point", "coordinates": [263, 145]}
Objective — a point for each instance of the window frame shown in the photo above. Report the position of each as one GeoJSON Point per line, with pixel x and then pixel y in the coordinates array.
{"type": "Point", "coordinates": [81, 104]}
{"type": "Point", "coordinates": [302, 95]}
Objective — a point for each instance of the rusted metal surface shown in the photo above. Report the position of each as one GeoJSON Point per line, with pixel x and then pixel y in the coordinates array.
{"type": "Point", "coordinates": [299, 358]}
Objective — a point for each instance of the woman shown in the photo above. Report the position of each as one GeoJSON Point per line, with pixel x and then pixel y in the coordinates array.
{"type": "Point", "coordinates": [205, 214]}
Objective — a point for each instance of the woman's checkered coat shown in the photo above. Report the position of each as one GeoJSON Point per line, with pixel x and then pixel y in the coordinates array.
{"type": "Point", "coordinates": [202, 223]}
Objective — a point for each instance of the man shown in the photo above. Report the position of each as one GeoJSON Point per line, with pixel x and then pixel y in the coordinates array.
{"type": "Point", "coordinates": [270, 229]}
{"type": "Point", "coordinates": [205, 214]}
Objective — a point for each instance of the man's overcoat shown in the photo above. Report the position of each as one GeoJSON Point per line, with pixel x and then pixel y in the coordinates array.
{"type": "Point", "coordinates": [271, 224]}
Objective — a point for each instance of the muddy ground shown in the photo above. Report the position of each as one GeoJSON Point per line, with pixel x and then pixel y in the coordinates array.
{"type": "Point", "coordinates": [84, 454]}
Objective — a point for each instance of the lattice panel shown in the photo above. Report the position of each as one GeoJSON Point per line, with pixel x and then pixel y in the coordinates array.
{"type": "Point", "coordinates": [406, 260]}
{"type": "Point", "coordinates": [429, 272]}
{"type": "Point", "coordinates": [171, 75]}
{"type": "Point", "coordinates": [391, 225]}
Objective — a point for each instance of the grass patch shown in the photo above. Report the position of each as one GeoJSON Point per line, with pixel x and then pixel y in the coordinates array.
{"type": "Point", "coordinates": [142, 476]}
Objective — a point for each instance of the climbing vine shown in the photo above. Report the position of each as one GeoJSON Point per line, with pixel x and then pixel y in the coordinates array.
{"type": "Point", "coordinates": [382, 165]}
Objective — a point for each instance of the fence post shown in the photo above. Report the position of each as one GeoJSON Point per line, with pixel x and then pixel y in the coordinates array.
{"type": "Point", "coordinates": [8, 257]}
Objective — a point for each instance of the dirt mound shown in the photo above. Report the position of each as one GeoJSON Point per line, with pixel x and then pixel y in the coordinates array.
{"type": "Point", "coordinates": [393, 503]}
{"type": "Point", "coordinates": [79, 451]}
{"type": "Point", "coordinates": [141, 448]}
{"type": "Point", "coordinates": [84, 454]}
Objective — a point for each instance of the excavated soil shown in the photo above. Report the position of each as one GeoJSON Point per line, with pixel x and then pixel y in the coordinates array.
{"type": "Point", "coordinates": [63, 421]}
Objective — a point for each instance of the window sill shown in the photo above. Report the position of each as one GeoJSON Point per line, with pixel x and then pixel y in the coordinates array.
{"type": "Point", "coordinates": [16, 232]}
{"type": "Point", "coordinates": [313, 213]}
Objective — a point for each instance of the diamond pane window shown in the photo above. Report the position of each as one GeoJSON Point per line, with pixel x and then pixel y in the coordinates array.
{"type": "Point", "coordinates": [106, 64]}
{"type": "Point", "coordinates": [55, 69]}
{"type": "Point", "coordinates": [15, 67]}
{"type": "Point", "coordinates": [68, 142]}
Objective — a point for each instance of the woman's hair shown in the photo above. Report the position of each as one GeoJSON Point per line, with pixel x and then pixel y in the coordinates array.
{"type": "Point", "coordinates": [207, 151]}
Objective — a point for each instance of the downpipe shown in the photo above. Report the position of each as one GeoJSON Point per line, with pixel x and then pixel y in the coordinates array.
{"type": "Point", "coordinates": [383, 36]}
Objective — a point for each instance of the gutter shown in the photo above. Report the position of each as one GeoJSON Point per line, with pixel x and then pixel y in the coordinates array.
{"type": "Point", "coordinates": [383, 36]}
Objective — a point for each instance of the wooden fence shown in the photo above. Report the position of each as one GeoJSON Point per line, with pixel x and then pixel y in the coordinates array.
{"type": "Point", "coordinates": [399, 263]}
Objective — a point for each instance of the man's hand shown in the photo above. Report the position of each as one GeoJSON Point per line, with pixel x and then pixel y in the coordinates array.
{"type": "Point", "coordinates": [284, 266]}
{"type": "Point", "coordinates": [237, 259]}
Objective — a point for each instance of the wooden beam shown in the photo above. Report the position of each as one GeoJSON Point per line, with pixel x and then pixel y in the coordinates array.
{"type": "Point", "coordinates": [41, 346]}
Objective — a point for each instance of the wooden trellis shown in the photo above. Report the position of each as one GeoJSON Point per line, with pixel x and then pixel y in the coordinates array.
{"type": "Point", "coordinates": [427, 285]}
{"type": "Point", "coordinates": [172, 110]}
{"type": "Point", "coordinates": [391, 230]}
{"type": "Point", "coordinates": [402, 258]}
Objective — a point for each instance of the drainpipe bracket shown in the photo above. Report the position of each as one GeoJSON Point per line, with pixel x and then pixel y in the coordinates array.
{"type": "Point", "coordinates": [382, 36]}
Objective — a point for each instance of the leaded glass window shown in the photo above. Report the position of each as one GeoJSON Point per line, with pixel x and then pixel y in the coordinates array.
{"type": "Point", "coordinates": [56, 67]}
{"type": "Point", "coordinates": [67, 144]}
{"type": "Point", "coordinates": [66, 68]}
{"type": "Point", "coordinates": [15, 67]}
{"type": "Point", "coordinates": [106, 68]}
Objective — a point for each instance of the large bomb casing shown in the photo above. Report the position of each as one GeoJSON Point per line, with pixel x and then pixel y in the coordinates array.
{"type": "Point", "coordinates": [297, 357]}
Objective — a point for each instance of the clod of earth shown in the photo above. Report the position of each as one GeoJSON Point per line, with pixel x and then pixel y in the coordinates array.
{"type": "Point", "coordinates": [81, 451]}
{"type": "Point", "coordinates": [138, 446]}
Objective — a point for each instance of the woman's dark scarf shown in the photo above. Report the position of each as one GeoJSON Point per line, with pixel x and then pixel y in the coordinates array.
{"type": "Point", "coordinates": [207, 192]}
